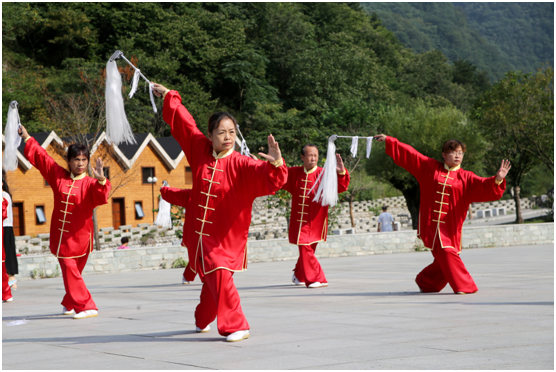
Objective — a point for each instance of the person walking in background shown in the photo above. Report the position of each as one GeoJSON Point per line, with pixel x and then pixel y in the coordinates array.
{"type": "Point", "coordinates": [8, 238]}
{"type": "Point", "coordinates": [71, 229]}
{"type": "Point", "coordinates": [125, 242]}
{"type": "Point", "coordinates": [6, 291]}
{"type": "Point", "coordinates": [225, 185]}
{"type": "Point", "coordinates": [385, 221]}
{"type": "Point", "coordinates": [446, 193]}
{"type": "Point", "coordinates": [309, 219]}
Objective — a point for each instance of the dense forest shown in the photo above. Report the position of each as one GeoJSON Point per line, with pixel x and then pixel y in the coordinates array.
{"type": "Point", "coordinates": [301, 71]}
{"type": "Point", "coordinates": [496, 37]}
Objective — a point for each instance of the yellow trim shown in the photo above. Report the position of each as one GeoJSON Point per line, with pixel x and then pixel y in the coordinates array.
{"type": "Point", "coordinates": [498, 182]}
{"type": "Point", "coordinates": [453, 169]}
{"type": "Point", "coordinates": [215, 169]}
{"type": "Point", "coordinates": [443, 193]}
{"type": "Point", "coordinates": [204, 220]}
{"type": "Point", "coordinates": [207, 194]}
{"type": "Point", "coordinates": [79, 177]}
{"type": "Point", "coordinates": [440, 222]}
{"type": "Point", "coordinates": [65, 212]}
{"type": "Point", "coordinates": [277, 163]}
{"type": "Point", "coordinates": [303, 205]}
{"type": "Point", "coordinates": [342, 173]}
{"type": "Point", "coordinates": [64, 258]}
{"type": "Point", "coordinates": [444, 184]}
{"type": "Point", "coordinates": [222, 154]}
{"type": "Point", "coordinates": [64, 221]}
{"type": "Point", "coordinates": [25, 140]}
{"type": "Point", "coordinates": [67, 193]}
{"type": "Point", "coordinates": [212, 209]}
{"type": "Point", "coordinates": [310, 170]}
{"type": "Point", "coordinates": [103, 182]}
{"type": "Point", "coordinates": [442, 212]}
{"type": "Point", "coordinates": [200, 233]}
{"type": "Point", "coordinates": [436, 201]}
{"type": "Point", "coordinates": [218, 183]}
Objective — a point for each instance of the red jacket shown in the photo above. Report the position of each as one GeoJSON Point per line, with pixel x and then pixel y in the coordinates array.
{"type": "Point", "coordinates": [308, 220]}
{"type": "Point", "coordinates": [71, 226]}
{"type": "Point", "coordinates": [445, 194]}
{"type": "Point", "coordinates": [224, 188]}
{"type": "Point", "coordinates": [4, 216]}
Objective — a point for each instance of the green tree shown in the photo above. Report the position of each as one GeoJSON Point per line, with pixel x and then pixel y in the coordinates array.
{"type": "Point", "coordinates": [517, 117]}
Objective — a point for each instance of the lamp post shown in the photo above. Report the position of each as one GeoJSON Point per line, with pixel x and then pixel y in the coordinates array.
{"type": "Point", "coordinates": [152, 181]}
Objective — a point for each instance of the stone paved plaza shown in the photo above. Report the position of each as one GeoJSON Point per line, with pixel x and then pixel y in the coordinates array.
{"type": "Point", "coordinates": [370, 317]}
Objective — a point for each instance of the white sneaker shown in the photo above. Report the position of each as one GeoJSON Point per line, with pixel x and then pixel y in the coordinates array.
{"type": "Point", "coordinates": [324, 284]}
{"type": "Point", "coordinates": [316, 285]}
{"type": "Point", "coordinates": [183, 281]}
{"type": "Point", "coordinates": [296, 281]}
{"type": "Point", "coordinates": [86, 314]}
{"type": "Point", "coordinates": [238, 336]}
{"type": "Point", "coordinates": [68, 312]}
{"type": "Point", "coordinates": [9, 299]}
{"type": "Point", "coordinates": [205, 330]}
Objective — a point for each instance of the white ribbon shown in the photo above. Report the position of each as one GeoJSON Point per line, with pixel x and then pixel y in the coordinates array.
{"type": "Point", "coordinates": [13, 139]}
{"type": "Point", "coordinates": [152, 97]}
{"type": "Point", "coordinates": [164, 218]}
{"type": "Point", "coordinates": [369, 146]}
{"type": "Point", "coordinates": [354, 143]}
{"type": "Point", "coordinates": [244, 150]}
{"type": "Point", "coordinates": [134, 82]}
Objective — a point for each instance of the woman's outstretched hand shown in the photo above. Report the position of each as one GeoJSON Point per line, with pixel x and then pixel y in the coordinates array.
{"type": "Point", "coordinates": [159, 90]}
{"type": "Point", "coordinates": [380, 137]}
{"type": "Point", "coordinates": [274, 152]}
{"type": "Point", "coordinates": [339, 164]}
{"type": "Point", "coordinates": [98, 170]}
{"type": "Point", "coordinates": [503, 171]}
{"type": "Point", "coordinates": [23, 132]}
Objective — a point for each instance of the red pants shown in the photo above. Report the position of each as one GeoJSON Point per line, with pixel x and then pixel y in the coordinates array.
{"type": "Point", "coordinates": [219, 299]}
{"type": "Point", "coordinates": [308, 269]}
{"type": "Point", "coordinates": [6, 291]}
{"type": "Point", "coordinates": [447, 268]}
{"type": "Point", "coordinates": [77, 295]}
{"type": "Point", "coordinates": [188, 274]}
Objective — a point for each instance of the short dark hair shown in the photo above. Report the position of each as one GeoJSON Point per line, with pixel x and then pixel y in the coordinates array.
{"type": "Point", "coordinates": [308, 145]}
{"type": "Point", "coordinates": [5, 186]}
{"type": "Point", "coordinates": [77, 149]}
{"type": "Point", "coordinates": [125, 239]}
{"type": "Point", "coordinates": [384, 207]}
{"type": "Point", "coordinates": [452, 145]}
{"type": "Point", "coordinates": [215, 119]}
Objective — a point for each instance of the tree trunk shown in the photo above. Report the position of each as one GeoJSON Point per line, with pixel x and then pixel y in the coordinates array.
{"type": "Point", "coordinates": [518, 217]}
{"type": "Point", "coordinates": [351, 211]}
{"type": "Point", "coordinates": [412, 195]}
{"type": "Point", "coordinates": [95, 228]}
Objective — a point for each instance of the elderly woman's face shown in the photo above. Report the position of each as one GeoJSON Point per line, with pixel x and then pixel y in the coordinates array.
{"type": "Point", "coordinates": [78, 165]}
{"type": "Point", "coordinates": [223, 137]}
{"type": "Point", "coordinates": [453, 158]}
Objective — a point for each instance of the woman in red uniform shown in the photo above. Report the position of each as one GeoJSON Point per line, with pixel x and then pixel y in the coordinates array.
{"type": "Point", "coordinates": [309, 220]}
{"type": "Point", "coordinates": [446, 193]}
{"type": "Point", "coordinates": [180, 197]}
{"type": "Point", "coordinates": [225, 184]}
{"type": "Point", "coordinates": [6, 291]}
{"type": "Point", "coordinates": [71, 226]}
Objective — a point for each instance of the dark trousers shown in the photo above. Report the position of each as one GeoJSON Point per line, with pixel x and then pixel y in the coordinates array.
{"type": "Point", "coordinates": [11, 256]}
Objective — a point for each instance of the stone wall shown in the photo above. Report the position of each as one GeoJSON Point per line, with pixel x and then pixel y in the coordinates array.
{"type": "Point", "coordinates": [133, 259]}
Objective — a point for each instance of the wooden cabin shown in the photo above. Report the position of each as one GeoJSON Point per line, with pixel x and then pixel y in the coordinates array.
{"type": "Point", "coordinates": [128, 168]}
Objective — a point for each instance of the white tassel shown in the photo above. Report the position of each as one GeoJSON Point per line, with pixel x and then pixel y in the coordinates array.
{"type": "Point", "coordinates": [134, 83]}
{"type": "Point", "coordinates": [327, 193]}
{"type": "Point", "coordinates": [163, 218]}
{"type": "Point", "coordinates": [118, 129]}
{"type": "Point", "coordinates": [369, 146]}
{"type": "Point", "coordinates": [13, 140]}
{"type": "Point", "coordinates": [354, 143]}
{"type": "Point", "coordinates": [152, 97]}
